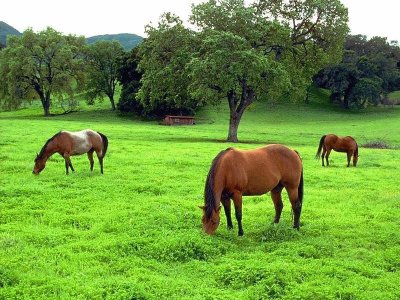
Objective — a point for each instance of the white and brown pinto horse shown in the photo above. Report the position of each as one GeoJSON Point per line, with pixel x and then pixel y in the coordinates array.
{"type": "Point", "coordinates": [68, 143]}
{"type": "Point", "coordinates": [236, 173]}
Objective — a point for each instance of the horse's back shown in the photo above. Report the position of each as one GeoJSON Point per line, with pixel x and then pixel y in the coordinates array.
{"type": "Point", "coordinates": [260, 170]}
{"type": "Point", "coordinates": [83, 141]}
{"type": "Point", "coordinates": [340, 144]}
{"type": "Point", "coordinates": [331, 139]}
{"type": "Point", "coordinates": [286, 162]}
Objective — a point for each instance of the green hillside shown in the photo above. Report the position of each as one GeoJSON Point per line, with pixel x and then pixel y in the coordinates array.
{"type": "Point", "coordinates": [127, 40]}
{"type": "Point", "coordinates": [135, 232]}
{"type": "Point", "coordinates": [5, 30]}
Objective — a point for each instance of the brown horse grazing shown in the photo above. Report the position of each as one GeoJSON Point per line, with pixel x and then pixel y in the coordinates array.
{"type": "Point", "coordinates": [68, 143]}
{"type": "Point", "coordinates": [236, 173]}
{"type": "Point", "coordinates": [339, 144]}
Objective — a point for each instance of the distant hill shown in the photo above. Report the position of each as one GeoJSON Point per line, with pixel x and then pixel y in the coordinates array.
{"type": "Point", "coordinates": [5, 30]}
{"type": "Point", "coordinates": [127, 40]}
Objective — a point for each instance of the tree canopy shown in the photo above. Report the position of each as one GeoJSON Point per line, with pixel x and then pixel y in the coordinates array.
{"type": "Point", "coordinates": [163, 59]}
{"type": "Point", "coordinates": [46, 63]}
{"type": "Point", "coordinates": [103, 58]}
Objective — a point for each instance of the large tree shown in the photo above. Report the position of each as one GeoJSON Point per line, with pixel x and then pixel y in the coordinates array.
{"type": "Point", "coordinates": [240, 53]}
{"type": "Point", "coordinates": [164, 55]}
{"type": "Point", "coordinates": [47, 63]}
{"type": "Point", "coordinates": [262, 50]}
{"type": "Point", "coordinates": [103, 58]}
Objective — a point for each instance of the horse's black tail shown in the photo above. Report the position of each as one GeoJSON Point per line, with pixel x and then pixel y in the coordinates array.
{"type": "Point", "coordinates": [209, 197]}
{"type": "Point", "coordinates": [105, 143]}
{"type": "Point", "coordinates": [321, 142]}
{"type": "Point", "coordinates": [300, 189]}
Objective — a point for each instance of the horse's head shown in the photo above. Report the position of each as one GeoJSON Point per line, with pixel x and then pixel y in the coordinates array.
{"type": "Point", "coordinates": [355, 159]}
{"type": "Point", "coordinates": [210, 224]}
{"type": "Point", "coordinates": [40, 163]}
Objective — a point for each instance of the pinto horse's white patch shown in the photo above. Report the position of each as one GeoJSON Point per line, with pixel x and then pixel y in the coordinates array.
{"type": "Point", "coordinates": [82, 141]}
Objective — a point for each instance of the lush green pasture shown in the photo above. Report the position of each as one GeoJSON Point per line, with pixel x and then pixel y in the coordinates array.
{"type": "Point", "coordinates": [135, 232]}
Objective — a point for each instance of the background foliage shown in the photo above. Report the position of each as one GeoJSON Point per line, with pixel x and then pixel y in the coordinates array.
{"type": "Point", "coordinates": [369, 71]}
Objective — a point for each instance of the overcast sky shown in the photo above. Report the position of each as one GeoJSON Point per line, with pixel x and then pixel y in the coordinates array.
{"type": "Point", "coordinates": [88, 18]}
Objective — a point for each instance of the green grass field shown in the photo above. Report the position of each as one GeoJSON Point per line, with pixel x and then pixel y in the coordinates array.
{"type": "Point", "coordinates": [135, 232]}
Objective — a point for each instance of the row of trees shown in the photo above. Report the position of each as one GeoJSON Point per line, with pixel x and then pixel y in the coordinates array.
{"type": "Point", "coordinates": [368, 72]}
{"type": "Point", "coordinates": [232, 52]}
{"type": "Point", "coordinates": [55, 68]}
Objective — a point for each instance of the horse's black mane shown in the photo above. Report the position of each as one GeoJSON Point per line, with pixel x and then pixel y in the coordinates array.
{"type": "Point", "coordinates": [40, 155]}
{"type": "Point", "coordinates": [209, 199]}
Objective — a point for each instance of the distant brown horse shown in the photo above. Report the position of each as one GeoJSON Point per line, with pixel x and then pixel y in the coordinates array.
{"type": "Point", "coordinates": [339, 144]}
{"type": "Point", "coordinates": [236, 173]}
{"type": "Point", "coordinates": [68, 143]}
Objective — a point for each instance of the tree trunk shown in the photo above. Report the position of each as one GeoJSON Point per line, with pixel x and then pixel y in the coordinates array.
{"type": "Point", "coordinates": [234, 121]}
{"type": "Point", "coordinates": [45, 99]}
{"type": "Point", "coordinates": [237, 109]}
{"type": "Point", "coordinates": [111, 97]}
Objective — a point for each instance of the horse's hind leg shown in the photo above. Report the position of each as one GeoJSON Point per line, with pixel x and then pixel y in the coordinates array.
{"type": "Point", "coordinates": [276, 195]}
{"type": "Point", "coordinates": [348, 158]}
{"type": "Point", "coordinates": [323, 155]}
{"type": "Point", "coordinates": [226, 202]}
{"type": "Point", "coordinates": [328, 152]}
{"type": "Point", "coordinates": [100, 161]}
{"type": "Point", "coordinates": [296, 205]}
{"type": "Point", "coordinates": [90, 157]}
{"type": "Point", "coordinates": [237, 200]}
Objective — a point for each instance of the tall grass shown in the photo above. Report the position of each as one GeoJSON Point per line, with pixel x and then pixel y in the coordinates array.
{"type": "Point", "coordinates": [135, 232]}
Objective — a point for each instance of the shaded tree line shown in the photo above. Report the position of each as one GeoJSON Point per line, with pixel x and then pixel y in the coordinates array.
{"type": "Point", "coordinates": [368, 72]}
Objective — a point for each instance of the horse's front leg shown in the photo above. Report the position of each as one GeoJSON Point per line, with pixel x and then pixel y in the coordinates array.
{"type": "Point", "coordinates": [226, 202]}
{"type": "Point", "coordinates": [277, 199]}
{"type": "Point", "coordinates": [68, 163]}
{"type": "Point", "coordinates": [237, 201]}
